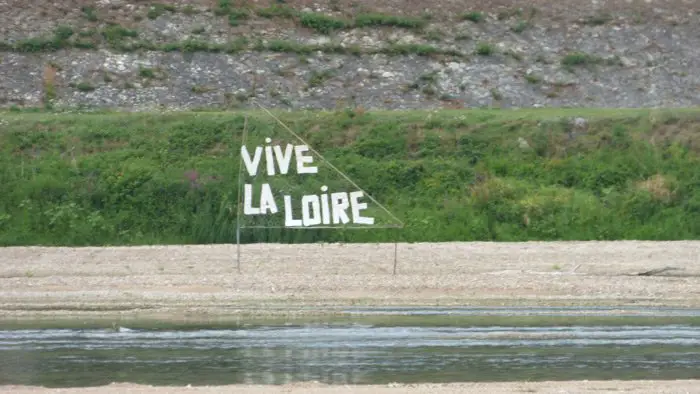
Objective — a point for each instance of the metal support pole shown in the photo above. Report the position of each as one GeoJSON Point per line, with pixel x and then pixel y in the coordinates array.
{"type": "Point", "coordinates": [238, 203]}
{"type": "Point", "coordinates": [396, 252]}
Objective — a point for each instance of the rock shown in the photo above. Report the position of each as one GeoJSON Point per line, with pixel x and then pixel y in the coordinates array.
{"type": "Point", "coordinates": [522, 143]}
{"type": "Point", "coordinates": [363, 72]}
{"type": "Point", "coordinates": [579, 123]}
{"type": "Point", "coordinates": [627, 62]}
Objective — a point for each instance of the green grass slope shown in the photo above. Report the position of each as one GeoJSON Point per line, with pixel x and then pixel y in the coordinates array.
{"type": "Point", "coordinates": [113, 179]}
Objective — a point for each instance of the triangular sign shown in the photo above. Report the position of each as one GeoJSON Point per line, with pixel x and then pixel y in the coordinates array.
{"type": "Point", "coordinates": [285, 183]}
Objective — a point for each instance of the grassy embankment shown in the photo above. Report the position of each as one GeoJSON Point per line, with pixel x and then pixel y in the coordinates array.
{"type": "Point", "coordinates": [79, 179]}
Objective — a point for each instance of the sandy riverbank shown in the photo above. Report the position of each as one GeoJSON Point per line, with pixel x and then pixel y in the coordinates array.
{"type": "Point", "coordinates": [170, 280]}
{"type": "Point", "coordinates": [598, 387]}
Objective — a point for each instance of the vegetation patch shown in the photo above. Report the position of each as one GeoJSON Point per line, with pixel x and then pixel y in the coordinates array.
{"type": "Point", "coordinates": [152, 73]}
{"type": "Point", "coordinates": [89, 13]}
{"type": "Point", "coordinates": [201, 89]}
{"type": "Point", "coordinates": [322, 23]}
{"type": "Point", "coordinates": [473, 16]}
{"type": "Point", "coordinates": [520, 27]}
{"type": "Point", "coordinates": [377, 19]}
{"type": "Point", "coordinates": [115, 35]}
{"type": "Point", "coordinates": [318, 78]}
{"type": "Point", "coordinates": [578, 59]}
{"type": "Point", "coordinates": [143, 178]}
{"type": "Point", "coordinates": [83, 86]}
{"type": "Point", "coordinates": [277, 11]}
{"type": "Point", "coordinates": [598, 19]}
{"type": "Point", "coordinates": [159, 9]}
{"type": "Point", "coordinates": [236, 15]}
{"type": "Point", "coordinates": [485, 49]}
{"type": "Point", "coordinates": [533, 78]}
{"type": "Point", "coordinates": [121, 39]}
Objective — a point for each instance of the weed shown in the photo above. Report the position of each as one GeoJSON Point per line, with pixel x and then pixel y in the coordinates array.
{"type": "Point", "coordinates": [151, 73]}
{"type": "Point", "coordinates": [520, 27]}
{"type": "Point", "coordinates": [377, 19]}
{"type": "Point", "coordinates": [318, 78]}
{"type": "Point", "coordinates": [87, 33]}
{"type": "Point", "coordinates": [580, 59]}
{"type": "Point", "coordinates": [597, 20]}
{"type": "Point", "coordinates": [198, 30]}
{"type": "Point", "coordinates": [63, 33]}
{"type": "Point", "coordinates": [417, 49]}
{"type": "Point", "coordinates": [158, 9]}
{"type": "Point", "coordinates": [277, 11]}
{"type": "Point", "coordinates": [89, 13]}
{"type": "Point", "coordinates": [429, 91]}
{"type": "Point", "coordinates": [236, 15]}
{"type": "Point", "coordinates": [322, 23]}
{"type": "Point", "coordinates": [189, 10]}
{"type": "Point", "coordinates": [484, 49]}
{"type": "Point", "coordinates": [447, 97]}
{"type": "Point", "coordinates": [532, 78]}
{"type": "Point", "coordinates": [201, 89]}
{"type": "Point", "coordinates": [473, 16]}
{"type": "Point", "coordinates": [496, 95]}
{"type": "Point", "coordinates": [430, 77]}
{"type": "Point", "coordinates": [115, 33]}
{"type": "Point", "coordinates": [147, 73]}
{"type": "Point", "coordinates": [223, 7]}
{"type": "Point", "coordinates": [83, 86]}
{"type": "Point", "coordinates": [288, 47]}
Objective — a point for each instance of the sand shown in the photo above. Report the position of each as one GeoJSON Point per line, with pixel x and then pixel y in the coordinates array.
{"type": "Point", "coordinates": [170, 280]}
{"type": "Point", "coordinates": [175, 281]}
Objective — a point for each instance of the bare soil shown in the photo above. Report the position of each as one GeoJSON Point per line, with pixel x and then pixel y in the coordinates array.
{"type": "Point", "coordinates": [170, 280]}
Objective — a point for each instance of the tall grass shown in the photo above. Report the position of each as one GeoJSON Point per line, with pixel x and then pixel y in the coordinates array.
{"type": "Point", "coordinates": [98, 179]}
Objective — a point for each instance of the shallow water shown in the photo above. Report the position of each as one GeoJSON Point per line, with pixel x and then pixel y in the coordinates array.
{"type": "Point", "coordinates": [347, 354]}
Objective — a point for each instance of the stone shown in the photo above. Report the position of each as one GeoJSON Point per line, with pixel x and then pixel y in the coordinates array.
{"type": "Point", "coordinates": [363, 72]}
{"type": "Point", "coordinates": [579, 123]}
{"type": "Point", "coordinates": [522, 143]}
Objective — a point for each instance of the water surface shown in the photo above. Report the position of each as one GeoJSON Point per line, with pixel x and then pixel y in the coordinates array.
{"type": "Point", "coordinates": [347, 354]}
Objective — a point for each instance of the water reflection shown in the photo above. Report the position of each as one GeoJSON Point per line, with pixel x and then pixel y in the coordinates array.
{"type": "Point", "coordinates": [347, 354]}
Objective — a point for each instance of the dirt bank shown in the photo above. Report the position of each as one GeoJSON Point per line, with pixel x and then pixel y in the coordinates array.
{"type": "Point", "coordinates": [168, 280]}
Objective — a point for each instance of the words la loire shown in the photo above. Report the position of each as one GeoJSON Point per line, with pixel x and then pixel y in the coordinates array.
{"type": "Point", "coordinates": [316, 209]}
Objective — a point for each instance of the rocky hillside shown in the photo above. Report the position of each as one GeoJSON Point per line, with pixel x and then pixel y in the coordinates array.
{"type": "Point", "coordinates": [137, 55]}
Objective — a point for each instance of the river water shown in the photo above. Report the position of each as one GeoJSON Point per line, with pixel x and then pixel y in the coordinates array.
{"type": "Point", "coordinates": [349, 353]}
